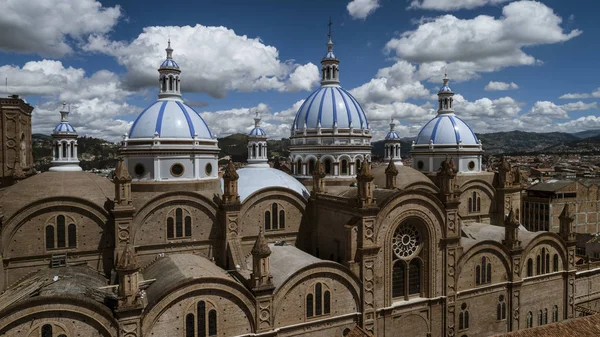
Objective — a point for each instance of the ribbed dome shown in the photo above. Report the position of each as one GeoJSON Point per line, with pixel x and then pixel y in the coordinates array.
{"type": "Point", "coordinates": [447, 129]}
{"type": "Point", "coordinates": [170, 119]}
{"type": "Point", "coordinates": [392, 135]}
{"type": "Point", "coordinates": [257, 132]}
{"type": "Point", "coordinates": [64, 127]}
{"type": "Point", "coordinates": [328, 105]}
{"type": "Point", "coordinates": [169, 63]}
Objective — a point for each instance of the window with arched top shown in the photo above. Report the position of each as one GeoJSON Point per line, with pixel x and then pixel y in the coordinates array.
{"type": "Point", "coordinates": [474, 203]}
{"type": "Point", "coordinates": [408, 255]}
{"type": "Point", "coordinates": [501, 309]}
{"type": "Point", "coordinates": [555, 263]}
{"type": "Point", "coordinates": [463, 317]}
{"type": "Point", "coordinates": [50, 330]}
{"type": "Point", "coordinates": [555, 314]}
{"type": "Point", "coordinates": [299, 167]}
{"type": "Point", "coordinates": [179, 224]}
{"type": "Point", "coordinates": [311, 166]}
{"type": "Point", "coordinates": [274, 217]}
{"type": "Point", "coordinates": [529, 319]}
{"type": "Point", "coordinates": [201, 320]}
{"type": "Point", "coordinates": [543, 262]}
{"type": "Point", "coordinates": [545, 316]}
{"type": "Point", "coordinates": [358, 165]}
{"type": "Point", "coordinates": [61, 233]}
{"type": "Point", "coordinates": [344, 166]}
{"type": "Point", "coordinates": [540, 319]}
{"type": "Point", "coordinates": [328, 166]}
{"type": "Point", "coordinates": [483, 272]}
{"type": "Point", "coordinates": [318, 301]}
{"type": "Point", "coordinates": [529, 267]}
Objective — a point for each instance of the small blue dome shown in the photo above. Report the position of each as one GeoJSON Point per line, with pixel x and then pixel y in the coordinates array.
{"type": "Point", "coordinates": [329, 55]}
{"type": "Point", "coordinates": [64, 127]}
{"type": "Point", "coordinates": [257, 132]}
{"type": "Point", "coordinates": [170, 119]}
{"type": "Point", "coordinates": [392, 135]}
{"type": "Point", "coordinates": [445, 88]}
{"type": "Point", "coordinates": [169, 63]}
{"type": "Point", "coordinates": [328, 105]}
{"type": "Point", "coordinates": [447, 129]}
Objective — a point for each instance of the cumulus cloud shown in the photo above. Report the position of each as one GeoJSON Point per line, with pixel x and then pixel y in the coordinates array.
{"type": "Point", "coordinates": [579, 106]}
{"type": "Point", "coordinates": [445, 5]}
{"type": "Point", "coordinates": [548, 109]}
{"type": "Point", "coordinates": [213, 60]}
{"type": "Point", "coordinates": [360, 9]}
{"type": "Point", "coordinates": [45, 27]}
{"type": "Point", "coordinates": [500, 86]}
{"type": "Point", "coordinates": [594, 94]}
{"type": "Point", "coordinates": [481, 44]}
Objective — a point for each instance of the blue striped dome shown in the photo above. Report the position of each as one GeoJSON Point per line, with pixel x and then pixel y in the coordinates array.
{"type": "Point", "coordinates": [392, 135]}
{"type": "Point", "coordinates": [257, 132]}
{"type": "Point", "coordinates": [445, 88]}
{"type": "Point", "coordinates": [447, 129]}
{"type": "Point", "coordinates": [170, 119]}
{"type": "Point", "coordinates": [328, 105]}
{"type": "Point", "coordinates": [169, 63]}
{"type": "Point", "coordinates": [64, 127]}
{"type": "Point", "coordinates": [329, 55]}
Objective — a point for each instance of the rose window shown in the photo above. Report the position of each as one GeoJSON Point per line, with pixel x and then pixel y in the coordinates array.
{"type": "Point", "coordinates": [406, 241]}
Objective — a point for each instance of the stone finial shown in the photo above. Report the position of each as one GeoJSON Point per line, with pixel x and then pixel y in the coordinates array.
{"type": "Point", "coordinates": [511, 231]}
{"type": "Point", "coordinates": [318, 177]}
{"type": "Point", "coordinates": [566, 219]}
{"type": "Point", "coordinates": [18, 173]}
{"type": "Point", "coordinates": [511, 219]}
{"type": "Point", "coordinates": [230, 172]}
{"type": "Point", "coordinates": [127, 259]}
{"type": "Point", "coordinates": [365, 172]}
{"type": "Point", "coordinates": [261, 247]}
{"type": "Point", "coordinates": [121, 172]}
{"type": "Point", "coordinates": [391, 172]}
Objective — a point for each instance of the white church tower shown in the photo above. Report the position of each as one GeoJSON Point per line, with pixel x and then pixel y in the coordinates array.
{"type": "Point", "coordinates": [257, 145]}
{"type": "Point", "coordinates": [64, 148]}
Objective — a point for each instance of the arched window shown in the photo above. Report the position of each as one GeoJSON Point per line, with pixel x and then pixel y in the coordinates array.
{"type": "Point", "coordinates": [318, 301]}
{"type": "Point", "coordinates": [545, 316]}
{"type": "Point", "coordinates": [60, 231]}
{"type": "Point", "coordinates": [501, 308]}
{"type": "Point", "coordinates": [311, 166]}
{"type": "Point", "coordinates": [212, 323]}
{"type": "Point", "coordinates": [555, 263]}
{"type": "Point", "coordinates": [483, 272]}
{"type": "Point", "coordinates": [344, 166]}
{"type": "Point", "coordinates": [547, 262]}
{"type": "Point", "coordinates": [72, 235]}
{"type": "Point", "coordinates": [328, 168]}
{"type": "Point", "coordinates": [170, 83]}
{"type": "Point", "coordinates": [259, 150]}
{"type": "Point", "coordinates": [474, 203]}
{"type": "Point", "coordinates": [254, 151]}
{"type": "Point", "coordinates": [555, 314]}
{"type": "Point", "coordinates": [274, 218]}
{"type": "Point", "coordinates": [529, 267]}
{"type": "Point", "coordinates": [49, 236]}
{"type": "Point", "coordinates": [477, 275]}
{"type": "Point", "coordinates": [64, 150]}
{"type": "Point", "coordinates": [463, 317]}
{"type": "Point", "coordinates": [358, 164]}
{"type": "Point", "coordinates": [529, 319]}
{"type": "Point", "coordinates": [164, 84]}
{"type": "Point", "coordinates": [398, 275]}
{"type": "Point", "coordinates": [540, 321]}
{"type": "Point", "coordinates": [538, 265]}
{"type": "Point", "coordinates": [46, 330]}
{"type": "Point", "coordinates": [414, 277]}
{"type": "Point", "coordinates": [179, 224]}
{"type": "Point", "coordinates": [201, 311]}
{"type": "Point", "coordinates": [190, 325]}
{"type": "Point", "coordinates": [408, 256]}
{"type": "Point", "coordinates": [299, 167]}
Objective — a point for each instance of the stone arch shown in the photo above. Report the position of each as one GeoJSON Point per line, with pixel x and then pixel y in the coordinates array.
{"type": "Point", "coordinates": [88, 209]}
{"type": "Point", "coordinates": [550, 239]}
{"type": "Point", "coordinates": [348, 160]}
{"type": "Point", "coordinates": [406, 205]}
{"type": "Point", "coordinates": [484, 247]}
{"type": "Point", "coordinates": [80, 310]}
{"type": "Point", "coordinates": [189, 288]}
{"type": "Point", "coordinates": [481, 186]}
{"type": "Point", "coordinates": [326, 269]}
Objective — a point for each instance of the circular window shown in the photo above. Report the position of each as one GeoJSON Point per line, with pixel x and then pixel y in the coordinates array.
{"type": "Point", "coordinates": [139, 170]}
{"type": "Point", "coordinates": [406, 241]}
{"type": "Point", "coordinates": [420, 165]}
{"type": "Point", "coordinates": [177, 170]}
{"type": "Point", "coordinates": [471, 165]}
{"type": "Point", "coordinates": [463, 306]}
{"type": "Point", "coordinates": [208, 169]}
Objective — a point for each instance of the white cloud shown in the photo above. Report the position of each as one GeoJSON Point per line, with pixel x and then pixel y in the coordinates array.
{"type": "Point", "coordinates": [45, 27]}
{"type": "Point", "coordinates": [481, 44]}
{"type": "Point", "coordinates": [594, 94]}
{"type": "Point", "coordinates": [360, 9]}
{"type": "Point", "coordinates": [580, 124]}
{"type": "Point", "coordinates": [212, 59]}
{"type": "Point", "coordinates": [501, 108]}
{"type": "Point", "coordinates": [548, 109]}
{"type": "Point", "coordinates": [579, 106]}
{"type": "Point", "coordinates": [500, 86]}
{"type": "Point", "coordinates": [452, 5]}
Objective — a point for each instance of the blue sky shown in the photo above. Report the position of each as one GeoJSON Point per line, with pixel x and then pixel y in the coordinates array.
{"type": "Point", "coordinates": [523, 65]}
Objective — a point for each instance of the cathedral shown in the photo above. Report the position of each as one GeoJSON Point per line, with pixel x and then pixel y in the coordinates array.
{"type": "Point", "coordinates": [338, 247]}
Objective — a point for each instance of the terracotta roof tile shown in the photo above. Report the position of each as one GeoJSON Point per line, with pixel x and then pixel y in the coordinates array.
{"type": "Point", "coordinates": [580, 327]}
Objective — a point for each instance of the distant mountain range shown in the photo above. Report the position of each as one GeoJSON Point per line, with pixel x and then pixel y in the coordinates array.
{"type": "Point", "coordinates": [101, 154]}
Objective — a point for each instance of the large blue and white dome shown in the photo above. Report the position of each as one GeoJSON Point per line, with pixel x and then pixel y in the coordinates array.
{"type": "Point", "coordinates": [169, 118]}
{"type": "Point", "coordinates": [328, 107]}
{"type": "Point", "coordinates": [447, 129]}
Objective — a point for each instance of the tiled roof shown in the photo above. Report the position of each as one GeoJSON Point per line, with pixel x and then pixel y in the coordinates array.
{"type": "Point", "coordinates": [580, 327]}
{"type": "Point", "coordinates": [358, 332]}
